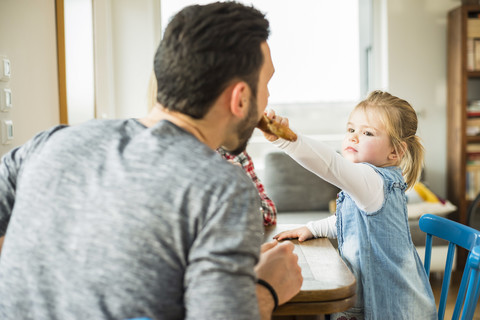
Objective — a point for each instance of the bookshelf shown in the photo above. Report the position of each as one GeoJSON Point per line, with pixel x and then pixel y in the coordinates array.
{"type": "Point", "coordinates": [463, 107]}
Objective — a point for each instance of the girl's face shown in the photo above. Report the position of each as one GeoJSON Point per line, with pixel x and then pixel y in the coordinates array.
{"type": "Point", "coordinates": [366, 140]}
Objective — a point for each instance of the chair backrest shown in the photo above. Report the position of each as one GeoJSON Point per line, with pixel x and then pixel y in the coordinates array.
{"type": "Point", "coordinates": [456, 234]}
{"type": "Point", "coordinates": [473, 289]}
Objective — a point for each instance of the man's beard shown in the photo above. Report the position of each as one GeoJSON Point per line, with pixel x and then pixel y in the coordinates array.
{"type": "Point", "coordinates": [246, 127]}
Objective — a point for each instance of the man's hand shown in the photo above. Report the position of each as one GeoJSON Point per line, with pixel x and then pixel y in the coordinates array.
{"type": "Point", "coordinates": [278, 266]}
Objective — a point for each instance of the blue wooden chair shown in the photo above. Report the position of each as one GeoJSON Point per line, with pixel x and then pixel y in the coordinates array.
{"type": "Point", "coordinates": [458, 235]}
{"type": "Point", "coordinates": [473, 287]}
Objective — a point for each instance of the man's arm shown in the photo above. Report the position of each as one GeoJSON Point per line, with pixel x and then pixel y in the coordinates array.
{"type": "Point", "coordinates": [265, 302]}
{"type": "Point", "coordinates": [279, 267]}
{"type": "Point", "coordinates": [219, 279]}
{"type": "Point", "coordinates": [10, 165]}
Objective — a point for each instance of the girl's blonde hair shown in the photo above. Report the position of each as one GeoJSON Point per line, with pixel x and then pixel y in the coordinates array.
{"type": "Point", "coordinates": [401, 122]}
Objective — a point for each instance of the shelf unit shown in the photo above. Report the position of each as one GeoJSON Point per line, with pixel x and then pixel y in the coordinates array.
{"type": "Point", "coordinates": [462, 86]}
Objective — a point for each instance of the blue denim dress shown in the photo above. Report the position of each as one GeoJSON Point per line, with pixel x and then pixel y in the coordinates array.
{"type": "Point", "coordinates": [378, 248]}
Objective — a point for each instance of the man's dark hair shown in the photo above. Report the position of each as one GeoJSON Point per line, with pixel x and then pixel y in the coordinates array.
{"type": "Point", "coordinates": [203, 50]}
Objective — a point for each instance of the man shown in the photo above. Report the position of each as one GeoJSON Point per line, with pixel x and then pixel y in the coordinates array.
{"type": "Point", "coordinates": [243, 159]}
{"type": "Point", "coordinates": [117, 219]}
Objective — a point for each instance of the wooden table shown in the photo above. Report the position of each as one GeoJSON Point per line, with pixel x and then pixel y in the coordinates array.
{"type": "Point", "coordinates": [328, 284]}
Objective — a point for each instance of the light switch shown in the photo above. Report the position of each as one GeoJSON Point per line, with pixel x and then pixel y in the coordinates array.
{"type": "Point", "coordinates": [5, 70]}
{"type": "Point", "coordinates": [6, 100]}
{"type": "Point", "coordinates": [7, 131]}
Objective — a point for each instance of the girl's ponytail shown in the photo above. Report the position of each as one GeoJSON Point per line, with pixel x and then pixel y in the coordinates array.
{"type": "Point", "coordinates": [412, 161]}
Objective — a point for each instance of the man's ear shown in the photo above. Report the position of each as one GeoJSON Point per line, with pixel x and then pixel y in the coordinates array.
{"type": "Point", "coordinates": [239, 99]}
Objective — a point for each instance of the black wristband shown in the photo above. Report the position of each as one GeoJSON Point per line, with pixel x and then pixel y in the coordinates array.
{"type": "Point", "coordinates": [272, 291]}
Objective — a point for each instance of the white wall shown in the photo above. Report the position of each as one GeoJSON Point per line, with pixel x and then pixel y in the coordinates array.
{"type": "Point", "coordinates": [28, 39]}
{"type": "Point", "coordinates": [127, 35]}
{"type": "Point", "coordinates": [415, 69]}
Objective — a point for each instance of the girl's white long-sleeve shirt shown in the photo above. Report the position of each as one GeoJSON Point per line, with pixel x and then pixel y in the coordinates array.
{"type": "Point", "coordinates": [377, 247]}
{"type": "Point", "coordinates": [359, 180]}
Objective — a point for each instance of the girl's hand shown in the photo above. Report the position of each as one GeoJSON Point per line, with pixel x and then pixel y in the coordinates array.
{"type": "Point", "coordinates": [301, 233]}
{"type": "Point", "coordinates": [283, 121]}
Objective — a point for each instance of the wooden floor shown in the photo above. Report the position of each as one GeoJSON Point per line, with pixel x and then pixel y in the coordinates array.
{"type": "Point", "coordinates": [436, 282]}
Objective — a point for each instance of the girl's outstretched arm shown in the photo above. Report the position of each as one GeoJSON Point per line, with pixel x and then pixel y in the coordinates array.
{"type": "Point", "coordinates": [357, 179]}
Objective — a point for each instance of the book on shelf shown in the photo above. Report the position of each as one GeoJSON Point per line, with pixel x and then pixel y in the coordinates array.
{"type": "Point", "coordinates": [473, 44]}
{"type": "Point", "coordinates": [473, 108]}
{"type": "Point", "coordinates": [473, 113]}
{"type": "Point", "coordinates": [473, 127]}
{"type": "Point", "coordinates": [473, 148]}
{"type": "Point", "coordinates": [473, 27]}
{"type": "Point", "coordinates": [476, 50]}
{"type": "Point", "coordinates": [470, 54]}
{"type": "Point", "coordinates": [473, 54]}
{"type": "Point", "coordinates": [473, 158]}
{"type": "Point", "coordinates": [472, 181]}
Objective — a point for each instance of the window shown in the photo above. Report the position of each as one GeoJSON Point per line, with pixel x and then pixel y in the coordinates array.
{"type": "Point", "coordinates": [79, 63]}
{"type": "Point", "coordinates": [315, 46]}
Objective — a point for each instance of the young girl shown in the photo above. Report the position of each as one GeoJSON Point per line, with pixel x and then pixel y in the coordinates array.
{"type": "Point", "coordinates": [380, 148]}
